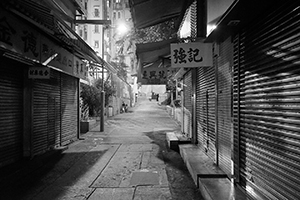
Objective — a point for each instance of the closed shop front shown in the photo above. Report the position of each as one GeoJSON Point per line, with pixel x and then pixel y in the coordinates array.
{"type": "Point", "coordinates": [224, 99]}
{"type": "Point", "coordinates": [187, 104]}
{"type": "Point", "coordinates": [69, 108]}
{"type": "Point", "coordinates": [205, 108]}
{"type": "Point", "coordinates": [11, 111]}
{"type": "Point", "coordinates": [55, 111]}
{"type": "Point", "coordinates": [46, 113]}
{"type": "Point", "coordinates": [266, 104]}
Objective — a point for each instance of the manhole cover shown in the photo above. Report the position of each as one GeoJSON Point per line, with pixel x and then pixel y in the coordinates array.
{"type": "Point", "coordinates": [144, 178]}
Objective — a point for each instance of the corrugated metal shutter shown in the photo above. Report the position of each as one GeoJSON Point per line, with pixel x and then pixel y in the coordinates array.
{"type": "Point", "coordinates": [205, 98]}
{"type": "Point", "coordinates": [69, 108]}
{"type": "Point", "coordinates": [46, 112]}
{"type": "Point", "coordinates": [11, 112]}
{"type": "Point", "coordinates": [225, 130]}
{"type": "Point", "coordinates": [187, 103]}
{"type": "Point", "coordinates": [269, 139]}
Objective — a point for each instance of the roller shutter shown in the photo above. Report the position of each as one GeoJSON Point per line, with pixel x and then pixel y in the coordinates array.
{"type": "Point", "coordinates": [205, 98]}
{"type": "Point", "coordinates": [46, 113]}
{"type": "Point", "coordinates": [187, 104]}
{"type": "Point", "coordinates": [11, 111]}
{"type": "Point", "coordinates": [267, 104]}
{"type": "Point", "coordinates": [225, 130]}
{"type": "Point", "coordinates": [69, 108]}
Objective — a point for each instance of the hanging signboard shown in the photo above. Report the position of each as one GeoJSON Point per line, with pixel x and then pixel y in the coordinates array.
{"type": "Point", "coordinates": [194, 54]}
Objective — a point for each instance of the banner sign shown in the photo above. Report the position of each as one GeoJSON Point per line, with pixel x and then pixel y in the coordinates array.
{"type": "Point", "coordinates": [39, 73]}
{"type": "Point", "coordinates": [194, 54]}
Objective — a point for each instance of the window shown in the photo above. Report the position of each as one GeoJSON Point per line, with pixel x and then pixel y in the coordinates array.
{"type": "Point", "coordinates": [96, 28]}
{"type": "Point", "coordinates": [96, 12]}
{"type": "Point", "coordinates": [80, 32]}
{"type": "Point", "coordinates": [96, 45]}
{"type": "Point", "coordinates": [118, 1]}
{"type": "Point", "coordinates": [115, 15]}
{"type": "Point", "coordinates": [119, 15]}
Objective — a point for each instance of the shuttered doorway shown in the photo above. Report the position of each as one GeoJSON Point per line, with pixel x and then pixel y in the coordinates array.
{"type": "Point", "coordinates": [267, 104]}
{"type": "Point", "coordinates": [46, 113]}
{"type": "Point", "coordinates": [187, 104]}
{"type": "Point", "coordinates": [69, 108]}
{"type": "Point", "coordinates": [225, 126]}
{"type": "Point", "coordinates": [205, 108]}
{"type": "Point", "coordinates": [11, 111]}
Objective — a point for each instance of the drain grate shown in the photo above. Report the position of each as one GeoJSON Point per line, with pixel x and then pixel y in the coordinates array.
{"type": "Point", "coordinates": [144, 177]}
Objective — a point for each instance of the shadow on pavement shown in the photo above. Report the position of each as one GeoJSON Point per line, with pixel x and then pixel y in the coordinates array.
{"type": "Point", "coordinates": [35, 175]}
{"type": "Point", "coordinates": [180, 180]}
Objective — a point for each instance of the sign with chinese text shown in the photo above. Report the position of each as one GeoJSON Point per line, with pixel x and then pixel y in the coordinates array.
{"type": "Point", "coordinates": [64, 60]}
{"type": "Point", "coordinates": [39, 73]}
{"type": "Point", "coordinates": [154, 75]}
{"type": "Point", "coordinates": [18, 37]}
{"type": "Point", "coordinates": [80, 69]}
{"type": "Point", "coordinates": [194, 54]}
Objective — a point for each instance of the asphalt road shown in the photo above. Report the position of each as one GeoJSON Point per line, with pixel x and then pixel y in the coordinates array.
{"type": "Point", "coordinates": [129, 160]}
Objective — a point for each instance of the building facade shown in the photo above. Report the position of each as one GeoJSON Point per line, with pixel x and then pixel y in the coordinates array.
{"type": "Point", "coordinates": [245, 112]}
{"type": "Point", "coordinates": [42, 63]}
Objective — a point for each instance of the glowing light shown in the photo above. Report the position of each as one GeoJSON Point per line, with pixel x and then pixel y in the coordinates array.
{"type": "Point", "coordinates": [122, 28]}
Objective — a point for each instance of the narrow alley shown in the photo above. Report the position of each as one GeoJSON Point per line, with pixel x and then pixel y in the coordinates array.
{"type": "Point", "coordinates": [129, 160]}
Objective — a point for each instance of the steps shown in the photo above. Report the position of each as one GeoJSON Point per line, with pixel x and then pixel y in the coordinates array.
{"type": "Point", "coordinates": [209, 178]}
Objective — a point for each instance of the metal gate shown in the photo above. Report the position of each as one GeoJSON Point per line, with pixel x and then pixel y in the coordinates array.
{"type": "Point", "coordinates": [224, 103]}
{"type": "Point", "coordinates": [46, 110]}
{"type": "Point", "coordinates": [11, 112]}
{"type": "Point", "coordinates": [266, 104]}
{"type": "Point", "coordinates": [205, 108]}
{"type": "Point", "coordinates": [187, 104]}
{"type": "Point", "coordinates": [69, 108]}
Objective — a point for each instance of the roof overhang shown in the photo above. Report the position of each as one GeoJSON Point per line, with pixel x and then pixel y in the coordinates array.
{"type": "Point", "coordinates": [238, 15]}
{"type": "Point", "coordinates": [151, 52]}
{"type": "Point", "coordinates": [147, 13]}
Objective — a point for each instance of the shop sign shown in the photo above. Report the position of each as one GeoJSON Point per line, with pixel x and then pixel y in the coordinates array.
{"type": "Point", "coordinates": [63, 60]}
{"type": "Point", "coordinates": [193, 54]}
{"type": "Point", "coordinates": [39, 73]}
{"type": "Point", "coordinates": [155, 75]}
{"type": "Point", "coordinates": [80, 69]}
{"type": "Point", "coordinates": [18, 38]}
{"type": "Point", "coordinates": [24, 40]}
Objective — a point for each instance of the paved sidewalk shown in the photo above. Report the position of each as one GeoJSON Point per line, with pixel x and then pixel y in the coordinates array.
{"type": "Point", "coordinates": [129, 160]}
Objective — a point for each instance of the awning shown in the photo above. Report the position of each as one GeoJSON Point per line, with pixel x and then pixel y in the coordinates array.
{"type": "Point", "coordinates": [147, 13]}
{"type": "Point", "coordinates": [154, 62]}
{"type": "Point", "coordinates": [151, 52]}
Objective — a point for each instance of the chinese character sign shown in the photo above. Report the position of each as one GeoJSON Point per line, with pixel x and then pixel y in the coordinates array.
{"type": "Point", "coordinates": [39, 73]}
{"type": "Point", "coordinates": [18, 37]}
{"type": "Point", "coordinates": [194, 54]}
